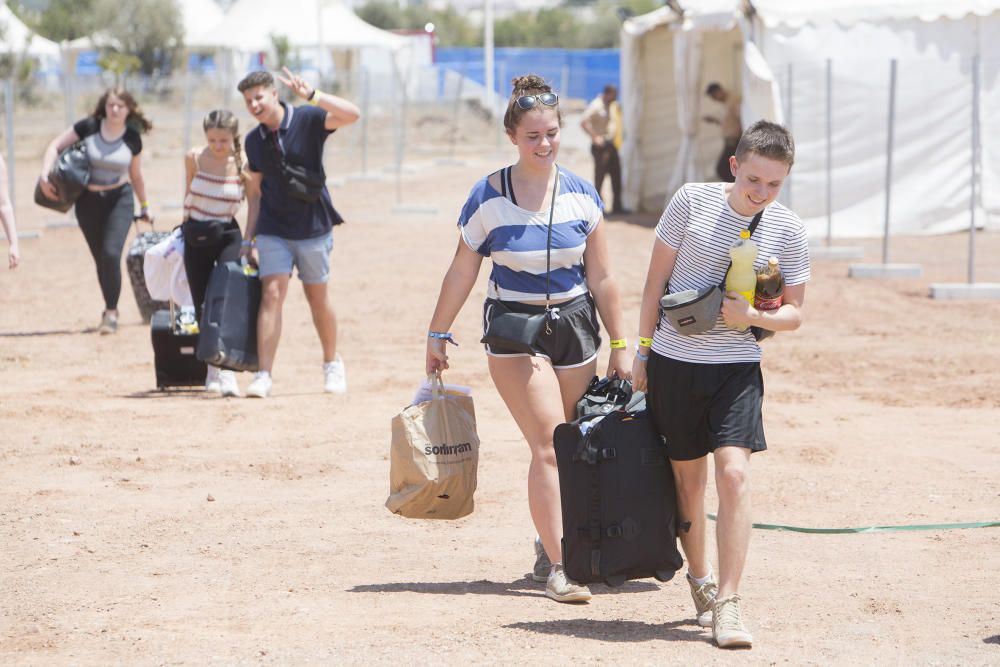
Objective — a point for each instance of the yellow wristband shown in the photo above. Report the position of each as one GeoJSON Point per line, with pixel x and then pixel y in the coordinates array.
{"type": "Point", "coordinates": [645, 342]}
{"type": "Point", "coordinates": [618, 343]}
{"type": "Point", "coordinates": [145, 204]}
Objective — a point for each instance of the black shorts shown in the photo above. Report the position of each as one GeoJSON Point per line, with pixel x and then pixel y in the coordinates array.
{"type": "Point", "coordinates": [698, 407]}
{"type": "Point", "coordinates": [575, 337]}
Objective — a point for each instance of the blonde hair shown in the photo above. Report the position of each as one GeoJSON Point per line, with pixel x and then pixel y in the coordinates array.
{"type": "Point", "coordinates": [529, 84]}
{"type": "Point", "coordinates": [223, 119]}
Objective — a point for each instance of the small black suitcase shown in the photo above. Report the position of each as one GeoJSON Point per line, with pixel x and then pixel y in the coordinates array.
{"type": "Point", "coordinates": [619, 505]}
{"type": "Point", "coordinates": [174, 352]}
{"type": "Point", "coordinates": [134, 261]}
{"type": "Point", "coordinates": [228, 324]}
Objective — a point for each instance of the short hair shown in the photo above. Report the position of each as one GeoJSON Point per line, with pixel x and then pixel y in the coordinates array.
{"type": "Point", "coordinates": [713, 88]}
{"type": "Point", "coordinates": [254, 79]}
{"type": "Point", "coordinates": [769, 140]}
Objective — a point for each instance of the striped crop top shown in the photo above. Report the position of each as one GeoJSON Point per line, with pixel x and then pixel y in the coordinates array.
{"type": "Point", "coordinates": [212, 197]}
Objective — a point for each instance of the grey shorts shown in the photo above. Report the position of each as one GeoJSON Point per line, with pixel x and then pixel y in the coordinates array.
{"type": "Point", "coordinates": [575, 334]}
{"type": "Point", "coordinates": [699, 407]}
{"type": "Point", "coordinates": [278, 256]}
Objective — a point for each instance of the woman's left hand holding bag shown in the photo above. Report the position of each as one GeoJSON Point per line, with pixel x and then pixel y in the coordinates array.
{"type": "Point", "coordinates": [620, 364]}
{"type": "Point", "coordinates": [437, 352]}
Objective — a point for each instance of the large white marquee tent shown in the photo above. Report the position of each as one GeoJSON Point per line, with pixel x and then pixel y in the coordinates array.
{"type": "Point", "coordinates": [17, 38]}
{"type": "Point", "coordinates": [775, 53]}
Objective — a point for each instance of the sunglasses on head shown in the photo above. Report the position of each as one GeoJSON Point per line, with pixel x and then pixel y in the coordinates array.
{"type": "Point", "coordinates": [526, 102]}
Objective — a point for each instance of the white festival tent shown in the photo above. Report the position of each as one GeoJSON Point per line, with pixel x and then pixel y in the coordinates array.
{"type": "Point", "coordinates": [196, 15]}
{"type": "Point", "coordinates": [775, 53]}
{"type": "Point", "coordinates": [15, 37]}
{"type": "Point", "coordinates": [325, 35]}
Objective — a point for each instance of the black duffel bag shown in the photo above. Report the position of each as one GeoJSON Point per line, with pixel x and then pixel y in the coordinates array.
{"type": "Point", "coordinates": [69, 176]}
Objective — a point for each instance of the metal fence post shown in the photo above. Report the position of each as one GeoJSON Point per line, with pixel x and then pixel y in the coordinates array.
{"type": "Point", "coordinates": [11, 162]}
{"type": "Point", "coordinates": [888, 159]}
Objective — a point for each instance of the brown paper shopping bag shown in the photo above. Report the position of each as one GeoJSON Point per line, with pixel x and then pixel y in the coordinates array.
{"type": "Point", "coordinates": [434, 457]}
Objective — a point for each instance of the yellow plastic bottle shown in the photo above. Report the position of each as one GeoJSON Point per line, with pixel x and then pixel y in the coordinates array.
{"type": "Point", "coordinates": [741, 277]}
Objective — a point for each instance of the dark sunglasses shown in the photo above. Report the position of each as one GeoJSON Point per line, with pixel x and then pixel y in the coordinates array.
{"type": "Point", "coordinates": [526, 102]}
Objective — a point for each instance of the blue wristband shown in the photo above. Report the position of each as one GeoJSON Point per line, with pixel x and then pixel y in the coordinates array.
{"type": "Point", "coordinates": [641, 357]}
{"type": "Point", "coordinates": [440, 335]}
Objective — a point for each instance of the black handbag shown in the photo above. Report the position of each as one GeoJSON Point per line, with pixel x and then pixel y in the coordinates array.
{"type": "Point", "coordinates": [519, 331]}
{"type": "Point", "coordinates": [298, 182]}
{"type": "Point", "coordinates": [69, 176]}
{"type": "Point", "coordinates": [201, 233]}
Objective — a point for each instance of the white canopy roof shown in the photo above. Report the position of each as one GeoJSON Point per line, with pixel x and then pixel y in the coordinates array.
{"type": "Point", "coordinates": [16, 35]}
{"type": "Point", "coordinates": [796, 13]}
{"type": "Point", "coordinates": [196, 15]}
{"type": "Point", "coordinates": [249, 24]}
{"type": "Point", "coordinates": [667, 59]}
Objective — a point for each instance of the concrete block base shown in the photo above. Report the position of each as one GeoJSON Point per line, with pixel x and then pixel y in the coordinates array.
{"type": "Point", "coordinates": [965, 291]}
{"type": "Point", "coordinates": [403, 209]}
{"type": "Point", "coordinates": [836, 253]}
{"type": "Point", "coordinates": [884, 271]}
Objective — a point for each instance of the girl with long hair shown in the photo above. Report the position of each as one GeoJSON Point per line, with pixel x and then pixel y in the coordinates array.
{"type": "Point", "coordinates": [105, 210]}
{"type": "Point", "coordinates": [213, 196]}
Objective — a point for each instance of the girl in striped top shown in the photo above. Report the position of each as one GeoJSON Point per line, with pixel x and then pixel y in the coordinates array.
{"type": "Point", "coordinates": [214, 194]}
{"type": "Point", "coordinates": [542, 228]}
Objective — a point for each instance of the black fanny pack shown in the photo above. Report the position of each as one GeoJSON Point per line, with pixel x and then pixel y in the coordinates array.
{"type": "Point", "coordinates": [201, 233]}
{"type": "Point", "coordinates": [298, 182]}
{"type": "Point", "coordinates": [302, 184]}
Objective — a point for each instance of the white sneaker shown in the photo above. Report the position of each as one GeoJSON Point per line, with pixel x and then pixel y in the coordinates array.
{"type": "Point", "coordinates": [561, 588]}
{"type": "Point", "coordinates": [335, 376]}
{"type": "Point", "coordinates": [261, 385]}
{"type": "Point", "coordinates": [227, 383]}
{"type": "Point", "coordinates": [212, 380]}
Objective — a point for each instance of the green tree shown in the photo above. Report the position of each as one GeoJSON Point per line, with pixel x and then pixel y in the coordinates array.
{"type": "Point", "coordinates": [61, 19]}
{"type": "Point", "coordinates": [151, 30]}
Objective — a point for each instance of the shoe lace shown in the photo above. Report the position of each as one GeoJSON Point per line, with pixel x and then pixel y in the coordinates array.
{"type": "Point", "coordinates": [728, 612]}
{"type": "Point", "coordinates": [705, 594]}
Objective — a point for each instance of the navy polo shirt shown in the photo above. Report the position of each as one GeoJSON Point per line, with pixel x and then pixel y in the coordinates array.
{"type": "Point", "coordinates": [302, 135]}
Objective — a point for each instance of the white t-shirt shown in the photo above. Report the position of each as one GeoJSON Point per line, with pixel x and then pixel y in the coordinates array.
{"type": "Point", "coordinates": [701, 226]}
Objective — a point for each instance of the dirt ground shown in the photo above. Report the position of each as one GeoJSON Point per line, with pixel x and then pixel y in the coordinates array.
{"type": "Point", "coordinates": [147, 527]}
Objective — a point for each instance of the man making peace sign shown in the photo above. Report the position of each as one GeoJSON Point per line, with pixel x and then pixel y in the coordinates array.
{"type": "Point", "coordinates": [290, 216]}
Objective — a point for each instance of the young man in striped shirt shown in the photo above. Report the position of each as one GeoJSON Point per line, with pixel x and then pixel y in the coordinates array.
{"type": "Point", "coordinates": [705, 390]}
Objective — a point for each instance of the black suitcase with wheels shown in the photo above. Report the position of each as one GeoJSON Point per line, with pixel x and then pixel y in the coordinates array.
{"type": "Point", "coordinates": [142, 242]}
{"type": "Point", "coordinates": [619, 506]}
{"type": "Point", "coordinates": [174, 346]}
{"type": "Point", "coordinates": [228, 324]}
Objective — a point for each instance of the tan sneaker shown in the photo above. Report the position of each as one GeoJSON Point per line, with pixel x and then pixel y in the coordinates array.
{"type": "Point", "coordinates": [727, 624]}
{"type": "Point", "coordinates": [543, 565]}
{"type": "Point", "coordinates": [561, 588]}
{"type": "Point", "coordinates": [704, 597]}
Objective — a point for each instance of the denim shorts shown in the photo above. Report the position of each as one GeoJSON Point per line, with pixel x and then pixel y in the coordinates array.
{"type": "Point", "coordinates": [572, 339]}
{"type": "Point", "coordinates": [312, 256]}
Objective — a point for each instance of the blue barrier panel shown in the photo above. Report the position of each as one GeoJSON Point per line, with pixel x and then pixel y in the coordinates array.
{"type": "Point", "coordinates": [587, 71]}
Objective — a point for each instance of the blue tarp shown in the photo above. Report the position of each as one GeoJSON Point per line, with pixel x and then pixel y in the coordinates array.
{"type": "Point", "coordinates": [581, 73]}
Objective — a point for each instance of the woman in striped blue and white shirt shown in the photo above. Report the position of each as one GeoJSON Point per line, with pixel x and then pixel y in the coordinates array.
{"type": "Point", "coordinates": [705, 390]}
{"type": "Point", "coordinates": [507, 218]}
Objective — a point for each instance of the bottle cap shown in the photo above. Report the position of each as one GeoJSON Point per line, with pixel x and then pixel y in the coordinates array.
{"type": "Point", "coordinates": [745, 234]}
